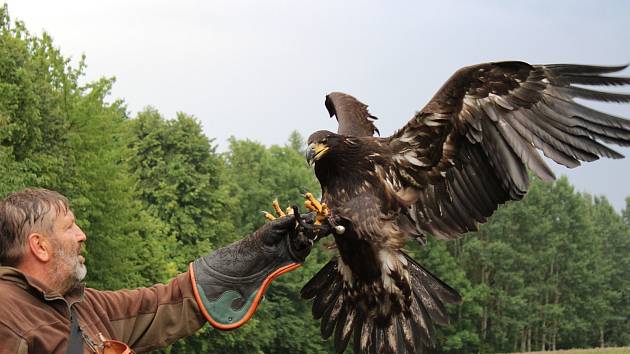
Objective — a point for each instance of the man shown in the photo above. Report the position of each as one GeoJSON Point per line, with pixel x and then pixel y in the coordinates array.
{"type": "Point", "coordinates": [44, 308]}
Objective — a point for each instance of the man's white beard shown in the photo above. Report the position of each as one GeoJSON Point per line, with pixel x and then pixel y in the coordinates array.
{"type": "Point", "coordinates": [62, 281]}
{"type": "Point", "coordinates": [80, 270]}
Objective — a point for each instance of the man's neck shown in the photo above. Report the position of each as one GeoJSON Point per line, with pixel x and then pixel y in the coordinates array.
{"type": "Point", "coordinates": [39, 272]}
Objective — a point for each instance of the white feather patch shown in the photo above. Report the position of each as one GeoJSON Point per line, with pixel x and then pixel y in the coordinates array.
{"type": "Point", "coordinates": [407, 137]}
{"type": "Point", "coordinates": [345, 271]}
{"type": "Point", "coordinates": [389, 265]}
{"type": "Point", "coordinates": [402, 259]}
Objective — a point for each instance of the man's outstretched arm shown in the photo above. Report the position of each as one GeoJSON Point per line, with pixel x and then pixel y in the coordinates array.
{"type": "Point", "coordinates": [223, 288]}
{"type": "Point", "coordinates": [230, 283]}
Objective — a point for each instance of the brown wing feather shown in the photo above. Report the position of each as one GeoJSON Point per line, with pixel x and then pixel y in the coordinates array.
{"type": "Point", "coordinates": [352, 115]}
{"type": "Point", "coordinates": [469, 149]}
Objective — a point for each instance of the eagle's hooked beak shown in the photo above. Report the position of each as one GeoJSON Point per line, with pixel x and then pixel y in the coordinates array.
{"type": "Point", "coordinates": [315, 151]}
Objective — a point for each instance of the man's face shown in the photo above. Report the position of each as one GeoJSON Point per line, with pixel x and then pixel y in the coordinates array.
{"type": "Point", "coordinates": [67, 267]}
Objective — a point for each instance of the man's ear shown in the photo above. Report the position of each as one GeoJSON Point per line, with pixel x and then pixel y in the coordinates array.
{"type": "Point", "coordinates": [39, 246]}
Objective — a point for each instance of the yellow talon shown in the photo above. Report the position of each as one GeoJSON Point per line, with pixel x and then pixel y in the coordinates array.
{"type": "Point", "coordinates": [315, 203]}
{"type": "Point", "coordinates": [278, 210]}
{"type": "Point", "coordinates": [269, 216]}
{"type": "Point", "coordinates": [312, 204]}
{"type": "Point", "coordinates": [321, 215]}
{"type": "Point", "coordinates": [276, 207]}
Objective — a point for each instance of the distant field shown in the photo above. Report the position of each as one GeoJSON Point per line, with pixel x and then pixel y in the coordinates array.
{"type": "Point", "coordinates": [624, 350]}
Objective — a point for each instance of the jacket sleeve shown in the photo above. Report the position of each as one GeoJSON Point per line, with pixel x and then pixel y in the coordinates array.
{"type": "Point", "coordinates": [12, 343]}
{"type": "Point", "coordinates": [149, 318]}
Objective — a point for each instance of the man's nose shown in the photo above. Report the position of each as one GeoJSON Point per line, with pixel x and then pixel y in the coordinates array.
{"type": "Point", "coordinates": [80, 234]}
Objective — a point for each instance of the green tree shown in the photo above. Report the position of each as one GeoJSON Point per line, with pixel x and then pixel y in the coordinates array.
{"type": "Point", "coordinates": [609, 278]}
{"type": "Point", "coordinates": [547, 272]}
{"type": "Point", "coordinates": [181, 181]}
{"type": "Point", "coordinates": [259, 175]}
{"type": "Point", "coordinates": [59, 134]}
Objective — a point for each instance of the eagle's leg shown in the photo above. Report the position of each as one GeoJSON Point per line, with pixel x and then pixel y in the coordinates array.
{"type": "Point", "coordinates": [310, 229]}
{"type": "Point", "coordinates": [332, 220]}
{"type": "Point", "coordinates": [276, 207]}
{"type": "Point", "coordinates": [307, 223]}
{"type": "Point", "coordinates": [311, 203]}
{"type": "Point", "coordinates": [322, 213]}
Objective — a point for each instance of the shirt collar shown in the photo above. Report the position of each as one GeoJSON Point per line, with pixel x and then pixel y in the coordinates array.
{"type": "Point", "coordinates": [26, 282]}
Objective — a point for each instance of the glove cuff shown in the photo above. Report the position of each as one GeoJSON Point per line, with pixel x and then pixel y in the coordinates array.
{"type": "Point", "coordinates": [220, 313]}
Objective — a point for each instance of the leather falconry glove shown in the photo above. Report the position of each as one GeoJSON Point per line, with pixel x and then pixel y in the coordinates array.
{"type": "Point", "coordinates": [230, 282]}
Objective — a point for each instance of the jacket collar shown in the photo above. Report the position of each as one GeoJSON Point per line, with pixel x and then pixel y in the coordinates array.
{"type": "Point", "coordinates": [26, 282]}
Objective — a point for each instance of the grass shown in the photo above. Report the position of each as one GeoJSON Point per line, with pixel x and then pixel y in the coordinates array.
{"type": "Point", "coordinates": [624, 350]}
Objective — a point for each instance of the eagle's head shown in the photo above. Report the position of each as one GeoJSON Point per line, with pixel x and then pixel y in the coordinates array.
{"type": "Point", "coordinates": [322, 145]}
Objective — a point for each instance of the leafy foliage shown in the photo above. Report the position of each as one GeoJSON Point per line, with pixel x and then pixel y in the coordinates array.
{"type": "Point", "coordinates": [548, 272]}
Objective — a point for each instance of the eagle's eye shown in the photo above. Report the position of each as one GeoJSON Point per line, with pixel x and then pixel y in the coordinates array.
{"type": "Point", "coordinates": [323, 141]}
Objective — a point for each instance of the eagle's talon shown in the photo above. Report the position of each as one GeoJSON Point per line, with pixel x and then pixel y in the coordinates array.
{"type": "Point", "coordinates": [278, 210]}
{"type": "Point", "coordinates": [314, 202]}
{"type": "Point", "coordinates": [268, 215]}
{"type": "Point", "coordinates": [276, 207]}
{"type": "Point", "coordinates": [311, 230]}
{"type": "Point", "coordinates": [321, 209]}
{"type": "Point", "coordinates": [309, 206]}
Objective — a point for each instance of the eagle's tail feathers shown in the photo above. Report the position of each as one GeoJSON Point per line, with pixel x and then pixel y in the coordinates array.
{"type": "Point", "coordinates": [436, 287]}
{"type": "Point", "coordinates": [332, 316]}
{"type": "Point", "coordinates": [345, 325]}
{"type": "Point", "coordinates": [325, 276]}
{"type": "Point", "coordinates": [328, 295]}
{"type": "Point", "coordinates": [408, 330]}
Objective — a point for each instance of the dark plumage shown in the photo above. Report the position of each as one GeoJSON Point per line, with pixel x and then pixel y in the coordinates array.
{"type": "Point", "coordinates": [447, 170]}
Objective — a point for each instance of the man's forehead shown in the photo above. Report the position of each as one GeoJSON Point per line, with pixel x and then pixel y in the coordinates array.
{"type": "Point", "coordinates": [68, 214]}
{"type": "Point", "coordinates": [63, 213]}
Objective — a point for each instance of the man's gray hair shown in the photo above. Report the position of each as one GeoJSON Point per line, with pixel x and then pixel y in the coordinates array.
{"type": "Point", "coordinates": [23, 213]}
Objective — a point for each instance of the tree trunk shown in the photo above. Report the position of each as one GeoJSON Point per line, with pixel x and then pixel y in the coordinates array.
{"type": "Point", "coordinates": [485, 281]}
{"type": "Point", "coordinates": [555, 322]}
{"type": "Point", "coordinates": [601, 337]}
{"type": "Point", "coordinates": [484, 323]}
{"type": "Point", "coordinates": [542, 337]}
{"type": "Point", "coordinates": [484, 309]}
{"type": "Point", "coordinates": [457, 246]}
{"type": "Point", "coordinates": [543, 327]}
{"type": "Point", "coordinates": [515, 344]}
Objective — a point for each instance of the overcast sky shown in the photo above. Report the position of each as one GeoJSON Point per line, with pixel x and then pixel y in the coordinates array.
{"type": "Point", "coordinates": [260, 69]}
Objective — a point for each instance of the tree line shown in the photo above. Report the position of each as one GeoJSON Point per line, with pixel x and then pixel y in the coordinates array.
{"type": "Point", "coordinates": [153, 193]}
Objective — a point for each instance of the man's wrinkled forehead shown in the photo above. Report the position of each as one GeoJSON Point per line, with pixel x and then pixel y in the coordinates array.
{"type": "Point", "coordinates": [58, 212]}
{"type": "Point", "coordinates": [61, 208]}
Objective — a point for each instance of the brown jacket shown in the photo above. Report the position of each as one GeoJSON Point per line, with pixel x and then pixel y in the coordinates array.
{"type": "Point", "coordinates": [35, 320]}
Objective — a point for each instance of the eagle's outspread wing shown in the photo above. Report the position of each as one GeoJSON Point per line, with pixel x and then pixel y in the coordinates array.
{"type": "Point", "coordinates": [469, 148]}
{"type": "Point", "coordinates": [466, 152]}
{"type": "Point", "coordinates": [352, 115]}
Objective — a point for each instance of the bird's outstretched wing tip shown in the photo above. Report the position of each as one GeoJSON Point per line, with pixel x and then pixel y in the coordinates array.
{"type": "Point", "coordinates": [353, 116]}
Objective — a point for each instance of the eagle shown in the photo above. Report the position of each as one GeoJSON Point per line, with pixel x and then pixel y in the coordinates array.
{"type": "Point", "coordinates": [445, 172]}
